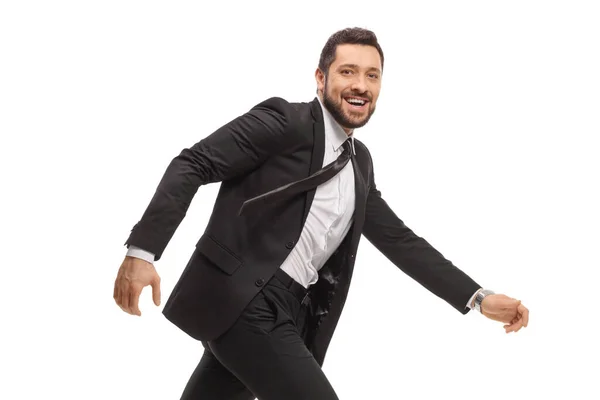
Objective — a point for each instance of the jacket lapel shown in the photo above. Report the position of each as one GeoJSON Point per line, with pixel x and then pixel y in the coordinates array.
{"type": "Point", "coordinates": [318, 151]}
{"type": "Point", "coordinates": [360, 189]}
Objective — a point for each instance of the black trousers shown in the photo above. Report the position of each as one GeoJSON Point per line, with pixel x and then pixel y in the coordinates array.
{"type": "Point", "coordinates": [263, 354]}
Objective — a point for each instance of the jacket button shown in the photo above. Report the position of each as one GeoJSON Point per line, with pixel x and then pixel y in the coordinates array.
{"type": "Point", "coordinates": [259, 282]}
{"type": "Point", "coordinates": [289, 245]}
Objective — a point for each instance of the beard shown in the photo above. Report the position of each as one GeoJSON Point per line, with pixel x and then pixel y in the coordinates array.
{"type": "Point", "coordinates": [342, 118]}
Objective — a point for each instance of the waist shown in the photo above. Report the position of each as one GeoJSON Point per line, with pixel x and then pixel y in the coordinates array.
{"type": "Point", "coordinates": [294, 287]}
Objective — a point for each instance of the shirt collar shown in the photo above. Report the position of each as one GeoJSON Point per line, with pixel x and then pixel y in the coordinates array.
{"type": "Point", "coordinates": [333, 131]}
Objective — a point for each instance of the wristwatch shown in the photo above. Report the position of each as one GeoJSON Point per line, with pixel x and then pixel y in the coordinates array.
{"type": "Point", "coordinates": [480, 296]}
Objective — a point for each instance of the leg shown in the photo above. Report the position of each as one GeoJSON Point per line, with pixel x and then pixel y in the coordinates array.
{"type": "Point", "coordinates": [212, 381]}
{"type": "Point", "coordinates": [265, 352]}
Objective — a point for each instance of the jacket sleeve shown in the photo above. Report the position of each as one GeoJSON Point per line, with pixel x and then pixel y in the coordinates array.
{"type": "Point", "coordinates": [413, 254]}
{"type": "Point", "coordinates": [234, 149]}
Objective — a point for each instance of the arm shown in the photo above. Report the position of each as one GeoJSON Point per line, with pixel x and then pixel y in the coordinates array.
{"type": "Point", "coordinates": [414, 255]}
{"type": "Point", "coordinates": [236, 148]}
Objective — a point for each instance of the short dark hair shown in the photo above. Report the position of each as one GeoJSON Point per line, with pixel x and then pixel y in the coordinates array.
{"type": "Point", "coordinates": [347, 36]}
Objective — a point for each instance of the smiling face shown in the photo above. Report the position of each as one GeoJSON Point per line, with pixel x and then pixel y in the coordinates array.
{"type": "Point", "coordinates": [351, 87]}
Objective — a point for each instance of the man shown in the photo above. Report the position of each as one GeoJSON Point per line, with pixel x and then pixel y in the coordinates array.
{"type": "Point", "coordinates": [266, 285]}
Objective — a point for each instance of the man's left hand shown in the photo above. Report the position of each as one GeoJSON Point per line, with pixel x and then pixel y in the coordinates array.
{"type": "Point", "coordinates": [505, 309]}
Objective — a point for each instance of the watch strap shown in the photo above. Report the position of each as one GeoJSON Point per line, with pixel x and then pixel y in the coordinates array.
{"type": "Point", "coordinates": [480, 296]}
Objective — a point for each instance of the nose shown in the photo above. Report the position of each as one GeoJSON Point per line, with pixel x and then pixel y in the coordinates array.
{"type": "Point", "coordinates": [359, 85]}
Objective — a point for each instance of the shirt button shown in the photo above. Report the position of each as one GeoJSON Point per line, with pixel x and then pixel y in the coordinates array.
{"type": "Point", "coordinates": [259, 282]}
{"type": "Point", "coordinates": [289, 245]}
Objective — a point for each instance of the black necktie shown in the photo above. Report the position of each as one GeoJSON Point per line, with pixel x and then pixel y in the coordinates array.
{"type": "Point", "coordinates": [303, 185]}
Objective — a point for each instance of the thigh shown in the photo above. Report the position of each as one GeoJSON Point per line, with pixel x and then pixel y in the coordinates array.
{"type": "Point", "coordinates": [265, 352]}
{"type": "Point", "coordinates": [212, 381]}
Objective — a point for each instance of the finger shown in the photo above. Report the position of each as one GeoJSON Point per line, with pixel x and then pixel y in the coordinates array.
{"type": "Point", "coordinates": [134, 298]}
{"type": "Point", "coordinates": [517, 303]}
{"type": "Point", "coordinates": [156, 290]}
{"type": "Point", "coordinates": [525, 312]}
{"type": "Point", "coordinates": [125, 298]}
{"type": "Point", "coordinates": [117, 289]}
{"type": "Point", "coordinates": [116, 292]}
{"type": "Point", "coordinates": [518, 326]}
{"type": "Point", "coordinates": [514, 327]}
{"type": "Point", "coordinates": [119, 296]}
{"type": "Point", "coordinates": [509, 327]}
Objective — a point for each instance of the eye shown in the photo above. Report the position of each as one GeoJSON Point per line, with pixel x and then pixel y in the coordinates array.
{"type": "Point", "coordinates": [373, 76]}
{"type": "Point", "coordinates": [346, 71]}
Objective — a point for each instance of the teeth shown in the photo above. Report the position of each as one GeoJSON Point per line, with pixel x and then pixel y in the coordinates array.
{"type": "Point", "coordinates": [356, 101]}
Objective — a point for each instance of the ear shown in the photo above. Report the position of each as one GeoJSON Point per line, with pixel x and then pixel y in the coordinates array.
{"type": "Point", "coordinates": [320, 78]}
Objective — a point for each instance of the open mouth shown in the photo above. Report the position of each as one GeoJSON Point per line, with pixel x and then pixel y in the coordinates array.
{"type": "Point", "coordinates": [356, 102]}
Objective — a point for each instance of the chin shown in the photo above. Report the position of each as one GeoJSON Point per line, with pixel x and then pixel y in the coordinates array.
{"type": "Point", "coordinates": [358, 123]}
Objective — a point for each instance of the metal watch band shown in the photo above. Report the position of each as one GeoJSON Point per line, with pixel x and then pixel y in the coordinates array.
{"type": "Point", "coordinates": [480, 296]}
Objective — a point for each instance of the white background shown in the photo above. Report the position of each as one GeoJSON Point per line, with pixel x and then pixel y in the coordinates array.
{"type": "Point", "coordinates": [484, 143]}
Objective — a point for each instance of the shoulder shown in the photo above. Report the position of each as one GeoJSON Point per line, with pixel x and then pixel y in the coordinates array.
{"type": "Point", "coordinates": [296, 116]}
{"type": "Point", "coordinates": [289, 119]}
{"type": "Point", "coordinates": [274, 106]}
{"type": "Point", "coordinates": [274, 102]}
{"type": "Point", "coordinates": [283, 105]}
{"type": "Point", "coordinates": [292, 112]}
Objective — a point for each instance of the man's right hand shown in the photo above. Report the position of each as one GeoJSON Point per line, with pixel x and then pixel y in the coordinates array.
{"type": "Point", "coordinates": [133, 275]}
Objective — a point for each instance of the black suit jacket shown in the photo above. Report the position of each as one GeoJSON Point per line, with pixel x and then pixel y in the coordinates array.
{"type": "Point", "coordinates": [276, 142]}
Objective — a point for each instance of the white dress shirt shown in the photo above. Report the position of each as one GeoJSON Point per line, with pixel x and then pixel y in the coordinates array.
{"type": "Point", "coordinates": [329, 217]}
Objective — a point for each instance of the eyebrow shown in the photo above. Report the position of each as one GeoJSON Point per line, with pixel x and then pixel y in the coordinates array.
{"type": "Point", "coordinates": [357, 67]}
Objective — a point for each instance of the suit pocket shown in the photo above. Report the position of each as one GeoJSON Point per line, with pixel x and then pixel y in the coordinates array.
{"type": "Point", "coordinates": [218, 255]}
{"type": "Point", "coordinates": [262, 313]}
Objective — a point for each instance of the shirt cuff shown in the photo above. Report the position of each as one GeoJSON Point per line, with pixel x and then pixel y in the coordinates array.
{"type": "Point", "coordinates": [472, 297]}
{"type": "Point", "coordinates": [136, 252]}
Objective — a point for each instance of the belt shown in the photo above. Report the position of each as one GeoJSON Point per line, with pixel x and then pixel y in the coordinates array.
{"type": "Point", "coordinates": [297, 289]}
